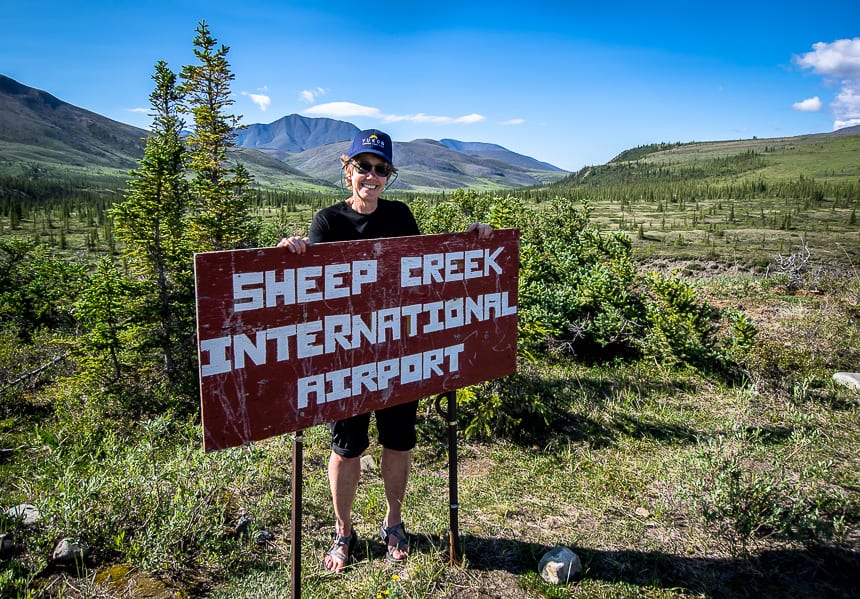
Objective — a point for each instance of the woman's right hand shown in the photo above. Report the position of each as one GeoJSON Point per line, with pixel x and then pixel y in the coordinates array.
{"type": "Point", "coordinates": [297, 245]}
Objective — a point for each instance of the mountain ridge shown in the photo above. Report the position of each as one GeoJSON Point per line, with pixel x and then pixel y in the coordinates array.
{"type": "Point", "coordinates": [37, 128]}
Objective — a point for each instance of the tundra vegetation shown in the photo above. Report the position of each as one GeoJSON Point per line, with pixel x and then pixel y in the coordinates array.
{"type": "Point", "coordinates": [673, 419]}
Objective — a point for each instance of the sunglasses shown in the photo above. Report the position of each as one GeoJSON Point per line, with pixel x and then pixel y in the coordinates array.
{"type": "Point", "coordinates": [383, 169]}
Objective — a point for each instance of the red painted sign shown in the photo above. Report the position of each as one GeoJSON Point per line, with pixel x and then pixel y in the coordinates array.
{"type": "Point", "coordinates": [288, 341]}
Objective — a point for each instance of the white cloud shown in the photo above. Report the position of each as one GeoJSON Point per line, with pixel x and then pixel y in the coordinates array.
{"type": "Point", "coordinates": [835, 59]}
{"type": "Point", "coordinates": [309, 95]}
{"type": "Point", "coordinates": [512, 122]}
{"type": "Point", "coordinates": [846, 106]}
{"type": "Point", "coordinates": [467, 119]}
{"type": "Point", "coordinates": [138, 110]}
{"type": "Point", "coordinates": [808, 105]}
{"type": "Point", "coordinates": [343, 110]}
{"type": "Point", "coordinates": [839, 60]}
{"type": "Point", "coordinates": [261, 100]}
{"type": "Point", "coordinates": [349, 109]}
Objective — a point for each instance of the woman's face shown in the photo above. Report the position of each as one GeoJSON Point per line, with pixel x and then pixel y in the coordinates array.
{"type": "Point", "coordinates": [367, 184]}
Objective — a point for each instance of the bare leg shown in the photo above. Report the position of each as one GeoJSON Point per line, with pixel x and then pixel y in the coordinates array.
{"type": "Point", "coordinates": [395, 474]}
{"type": "Point", "coordinates": [343, 475]}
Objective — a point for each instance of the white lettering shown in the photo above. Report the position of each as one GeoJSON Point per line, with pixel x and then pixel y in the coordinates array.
{"type": "Point", "coordinates": [339, 387]}
{"type": "Point", "coordinates": [281, 337]}
{"type": "Point", "coordinates": [450, 266]}
{"type": "Point", "coordinates": [306, 285]}
{"type": "Point", "coordinates": [434, 309]}
{"type": "Point", "coordinates": [285, 288]}
{"type": "Point", "coordinates": [256, 290]}
{"type": "Point", "coordinates": [346, 332]}
{"type": "Point", "coordinates": [306, 339]}
{"type": "Point", "coordinates": [407, 265]}
{"type": "Point", "coordinates": [244, 298]}
{"type": "Point", "coordinates": [490, 261]}
{"type": "Point", "coordinates": [242, 346]}
{"type": "Point", "coordinates": [219, 363]}
{"type": "Point", "coordinates": [365, 273]}
{"type": "Point", "coordinates": [378, 376]}
{"type": "Point", "coordinates": [334, 279]}
{"type": "Point", "coordinates": [310, 385]}
{"type": "Point", "coordinates": [473, 267]}
{"type": "Point", "coordinates": [454, 266]}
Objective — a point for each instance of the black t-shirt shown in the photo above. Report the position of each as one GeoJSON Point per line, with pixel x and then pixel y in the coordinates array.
{"type": "Point", "coordinates": [340, 222]}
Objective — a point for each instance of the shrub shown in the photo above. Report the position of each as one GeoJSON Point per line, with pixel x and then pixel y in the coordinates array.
{"type": "Point", "coordinates": [37, 288]}
{"type": "Point", "coordinates": [747, 492]}
{"type": "Point", "coordinates": [678, 327]}
{"type": "Point", "coordinates": [580, 294]}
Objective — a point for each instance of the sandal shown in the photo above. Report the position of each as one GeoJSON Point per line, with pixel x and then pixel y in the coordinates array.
{"type": "Point", "coordinates": [401, 545]}
{"type": "Point", "coordinates": [341, 550]}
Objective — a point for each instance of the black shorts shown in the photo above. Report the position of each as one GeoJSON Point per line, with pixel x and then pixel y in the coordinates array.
{"type": "Point", "coordinates": [396, 427]}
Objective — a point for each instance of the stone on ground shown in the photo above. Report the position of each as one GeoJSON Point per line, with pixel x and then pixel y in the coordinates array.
{"type": "Point", "coordinates": [560, 565]}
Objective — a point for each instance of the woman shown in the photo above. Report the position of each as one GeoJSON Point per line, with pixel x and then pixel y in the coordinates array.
{"type": "Point", "coordinates": [367, 169]}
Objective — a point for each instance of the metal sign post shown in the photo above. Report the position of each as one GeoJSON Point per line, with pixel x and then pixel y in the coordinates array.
{"type": "Point", "coordinates": [455, 557]}
{"type": "Point", "coordinates": [296, 515]}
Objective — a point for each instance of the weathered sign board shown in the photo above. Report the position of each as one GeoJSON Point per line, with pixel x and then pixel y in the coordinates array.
{"type": "Point", "coordinates": [287, 341]}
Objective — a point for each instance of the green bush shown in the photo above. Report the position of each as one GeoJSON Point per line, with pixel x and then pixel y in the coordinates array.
{"type": "Point", "coordinates": [37, 288]}
{"type": "Point", "coordinates": [580, 295]}
{"type": "Point", "coordinates": [679, 327]}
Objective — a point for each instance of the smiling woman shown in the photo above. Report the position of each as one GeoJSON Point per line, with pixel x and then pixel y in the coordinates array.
{"type": "Point", "coordinates": [368, 168]}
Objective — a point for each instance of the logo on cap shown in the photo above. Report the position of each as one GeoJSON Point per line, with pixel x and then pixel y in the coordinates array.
{"type": "Point", "coordinates": [373, 141]}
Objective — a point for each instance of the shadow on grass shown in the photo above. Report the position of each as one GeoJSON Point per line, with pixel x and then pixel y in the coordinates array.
{"type": "Point", "coordinates": [812, 572]}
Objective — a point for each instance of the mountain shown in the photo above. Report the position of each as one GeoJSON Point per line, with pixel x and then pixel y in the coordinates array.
{"type": "Point", "coordinates": [855, 130]}
{"type": "Point", "coordinates": [294, 133]}
{"type": "Point", "coordinates": [314, 145]}
{"type": "Point", "coordinates": [428, 165]}
{"type": "Point", "coordinates": [496, 152]}
{"type": "Point", "coordinates": [38, 130]}
{"type": "Point", "coordinates": [37, 126]}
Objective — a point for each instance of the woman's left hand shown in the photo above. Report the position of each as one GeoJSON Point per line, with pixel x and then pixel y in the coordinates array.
{"type": "Point", "coordinates": [481, 229]}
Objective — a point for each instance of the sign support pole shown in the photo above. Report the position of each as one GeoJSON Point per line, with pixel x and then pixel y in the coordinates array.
{"type": "Point", "coordinates": [296, 515]}
{"type": "Point", "coordinates": [455, 558]}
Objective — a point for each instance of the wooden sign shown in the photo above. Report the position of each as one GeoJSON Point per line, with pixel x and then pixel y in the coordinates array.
{"type": "Point", "coordinates": [287, 341]}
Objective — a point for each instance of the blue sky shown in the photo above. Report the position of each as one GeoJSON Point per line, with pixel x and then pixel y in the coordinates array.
{"type": "Point", "coordinates": [566, 84]}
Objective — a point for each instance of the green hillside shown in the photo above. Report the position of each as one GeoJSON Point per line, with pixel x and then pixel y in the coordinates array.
{"type": "Point", "coordinates": [825, 157]}
{"type": "Point", "coordinates": [740, 202]}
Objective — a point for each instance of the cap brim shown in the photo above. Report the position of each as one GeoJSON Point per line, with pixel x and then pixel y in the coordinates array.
{"type": "Point", "coordinates": [376, 152]}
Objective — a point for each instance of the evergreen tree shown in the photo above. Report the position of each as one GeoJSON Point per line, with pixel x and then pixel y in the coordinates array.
{"type": "Point", "coordinates": [150, 223]}
{"type": "Point", "coordinates": [102, 309]}
{"type": "Point", "coordinates": [222, 219]}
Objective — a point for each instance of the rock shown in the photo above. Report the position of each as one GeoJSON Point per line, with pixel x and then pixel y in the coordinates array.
{"type": "Point", "coordinates": [367, 462]}
{"type": "Point", "coordinates": [243, 527]}
{"type": "Point", "coordinates": [69, 551]}
{"type": "Point", "coordinates": [849, 379]}
{"type": "Point", "coordinates": [263, 537]}
{"type": "Point", "coordinates": [560, 565]}
{"type": "Point", "coordinates": [25, 513]}
{"type": "Point", "coordinates": [7, 545]}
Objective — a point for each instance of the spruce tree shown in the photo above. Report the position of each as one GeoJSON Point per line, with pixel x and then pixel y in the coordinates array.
{"type": "Point", "coordinates": [222, 219]}
{"type": "Point", "coordinates": [150, 222]}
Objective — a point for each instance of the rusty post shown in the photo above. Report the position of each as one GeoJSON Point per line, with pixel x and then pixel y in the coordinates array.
{"type": "Point", "coordinates": [296, 515]}
{"type": "Point", "coordinates": [454, 556]}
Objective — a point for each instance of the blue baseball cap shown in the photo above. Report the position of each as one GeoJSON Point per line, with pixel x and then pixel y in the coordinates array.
{"type": "Point", "coordinates": [371, 141]}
